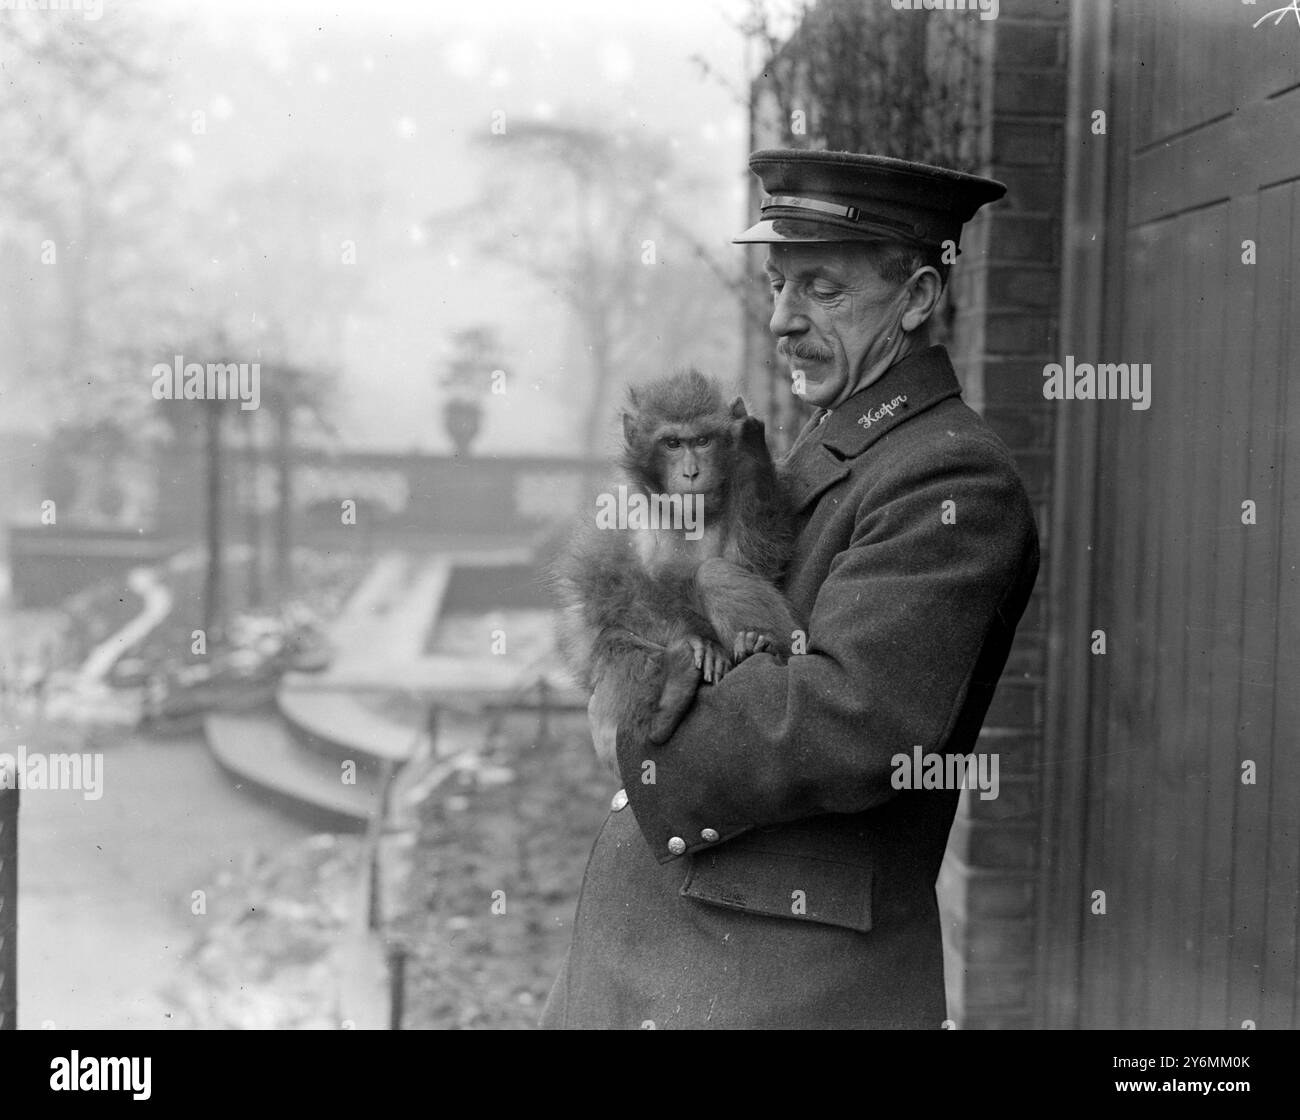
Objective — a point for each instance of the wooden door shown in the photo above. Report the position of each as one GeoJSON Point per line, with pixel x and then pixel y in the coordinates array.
{"type": "Point", "coordinates": [1184, 802]}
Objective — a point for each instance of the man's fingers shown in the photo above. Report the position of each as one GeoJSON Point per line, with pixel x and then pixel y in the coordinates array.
{"type": "Point", "coordinates": [750, 641]}
{"type": "Point", "coordinates": [715, 664]}
{"type": "Point", "coordinates": [720, 664]}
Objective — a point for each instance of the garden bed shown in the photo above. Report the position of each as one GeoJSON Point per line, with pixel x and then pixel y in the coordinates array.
{"type": "Point", "coordinates": [523, 826]}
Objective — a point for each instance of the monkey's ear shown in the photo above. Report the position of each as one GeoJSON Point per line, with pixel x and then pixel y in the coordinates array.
{"type": "Point", "coordinates": [738, 409]}
{"type": "Point", "coordinates": [629, 427]}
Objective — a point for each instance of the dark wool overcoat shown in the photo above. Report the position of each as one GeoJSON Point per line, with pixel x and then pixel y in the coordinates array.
{"type": "Point", "coordinates": [761, 869]}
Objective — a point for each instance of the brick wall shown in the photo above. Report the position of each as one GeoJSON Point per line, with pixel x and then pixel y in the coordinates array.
{"type": "Point", "coordinates": [1004, 333]}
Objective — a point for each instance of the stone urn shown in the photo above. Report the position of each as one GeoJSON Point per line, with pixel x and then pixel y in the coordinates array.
{"type": "Point", "coordinates": [461, 420]}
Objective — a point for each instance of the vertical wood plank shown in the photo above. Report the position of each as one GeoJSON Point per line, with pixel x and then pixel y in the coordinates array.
{"type": "Point", "coordinates": [1110, 936]}
{"type": "Point", "coordinates": [1284, 794]}
{"type": "Point", "coordinates": [1203, 250]}
{"type": "Point", "coordinates": [1137, 738]}
{"type": "Point", "coordinates": [1137, 25]}
{"type": "Point", "coordinates": [1226, 555]}
{"type": "Point", "coordinates": [1091, 301]}
{"type": "Point", "coordinates": [1162, 733]}
{"type": "Point", "coordinates": [1250, 885]}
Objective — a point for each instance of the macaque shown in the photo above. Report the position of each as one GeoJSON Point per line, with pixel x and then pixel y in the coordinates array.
{"type": "Point", "coordinates": [651, 608]}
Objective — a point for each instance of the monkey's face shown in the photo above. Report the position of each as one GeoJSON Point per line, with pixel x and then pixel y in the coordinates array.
{"type": "Point", "coordinates": [692, 460]}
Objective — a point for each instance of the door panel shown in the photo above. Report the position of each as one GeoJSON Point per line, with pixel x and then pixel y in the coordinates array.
{"type": "Point", "coordinates": [1201, 871]}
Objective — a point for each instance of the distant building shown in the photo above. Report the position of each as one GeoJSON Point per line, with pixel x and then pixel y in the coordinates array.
{"type": "Point", "coordinates": [411, 501]}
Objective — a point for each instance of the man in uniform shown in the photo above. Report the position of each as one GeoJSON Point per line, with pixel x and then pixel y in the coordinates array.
{"type": "Point", "coordinates": [763, 868]}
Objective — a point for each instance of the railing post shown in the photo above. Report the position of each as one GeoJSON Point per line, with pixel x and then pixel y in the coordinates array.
{"type": "Point", "coordinates": [544, 712]}
{"type": "Point", "coordinates": [8, 897]}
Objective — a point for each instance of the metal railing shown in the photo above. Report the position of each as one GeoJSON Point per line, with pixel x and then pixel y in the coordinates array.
{"type": "Point", "coordinates": [534, 694]}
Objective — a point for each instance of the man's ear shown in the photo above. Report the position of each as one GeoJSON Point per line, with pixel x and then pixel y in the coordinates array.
{"type": "Point", "coordinates": [738, 409]}
{"type": "Point", "coordinates": [924, 288]}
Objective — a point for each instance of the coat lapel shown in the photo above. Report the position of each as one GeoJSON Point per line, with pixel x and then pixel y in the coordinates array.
{"type": "Point", "coordinates": [810, 470]}
{"type": "Point", "coordinates": [822, 454]}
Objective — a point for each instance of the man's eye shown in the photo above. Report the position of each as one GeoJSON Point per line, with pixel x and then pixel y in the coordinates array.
{"type": "Point", "coordinates": [776, 285]}
{"type": "Point", "coordinates": [820, 291]}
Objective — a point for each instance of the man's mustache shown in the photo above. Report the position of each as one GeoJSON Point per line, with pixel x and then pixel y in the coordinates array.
{"type": "Point", "coordinates": [807, 351]}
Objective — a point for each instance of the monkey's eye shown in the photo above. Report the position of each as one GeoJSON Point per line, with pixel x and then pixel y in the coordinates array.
{"type": "Point", "coordinates": [703, 441]}
{"type": "Point", "coordinates": [672, 443]}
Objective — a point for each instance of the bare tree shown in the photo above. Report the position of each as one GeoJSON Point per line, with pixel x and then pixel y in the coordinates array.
{"type": "Point", "coordinates": [593, 216]}
{"type": "Point", "coordinates": [86, 199]}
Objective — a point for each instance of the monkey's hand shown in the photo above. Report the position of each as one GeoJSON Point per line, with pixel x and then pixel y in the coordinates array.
{"type": "Point", "coordinates": [710, 658]}
{"type": "Point", "coordinates": [751, 436]}
{"type": "Point", "coordinates": [681, 677]}
{"type": "Point", "coordinates": [752, 641]}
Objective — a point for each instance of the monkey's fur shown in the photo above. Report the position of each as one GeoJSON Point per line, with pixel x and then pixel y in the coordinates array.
{"type": "Point", "coordinates": [647, 612]}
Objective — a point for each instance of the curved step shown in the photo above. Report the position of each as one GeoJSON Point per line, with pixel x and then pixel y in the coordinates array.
{"type": "Point", "coordinates": [259, 750]}
{"type": "Point", "coordinates": [341, 725]}
{"type": "Point", "coordinates": [384, 625]}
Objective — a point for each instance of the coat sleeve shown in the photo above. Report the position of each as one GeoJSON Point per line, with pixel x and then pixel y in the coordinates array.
{"type": "Point", "coordinates": [895, 633]}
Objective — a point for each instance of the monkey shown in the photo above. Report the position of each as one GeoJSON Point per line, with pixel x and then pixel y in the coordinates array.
{"type": "Point", "coordinates": [647, 611]}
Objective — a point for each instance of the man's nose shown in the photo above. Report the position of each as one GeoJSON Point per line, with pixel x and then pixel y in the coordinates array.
{"type": "Point", "coordinates": [787, 314]}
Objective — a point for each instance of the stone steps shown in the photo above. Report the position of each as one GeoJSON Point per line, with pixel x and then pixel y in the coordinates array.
{"type": "Point", "coordinates": [295, 751]}
{"type": "Point", "coordinates": [258, 748]}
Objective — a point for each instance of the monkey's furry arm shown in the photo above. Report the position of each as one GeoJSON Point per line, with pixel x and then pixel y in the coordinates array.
{"type": "Point", "coordinates": [897, 631]}
{"type": "Point", "coordinates": [762, 527]}
{"type": "Point", "coordinates": [602, 588]}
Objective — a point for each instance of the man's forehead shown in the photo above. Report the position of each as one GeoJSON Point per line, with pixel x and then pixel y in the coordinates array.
{"type": "Point", "coordinates": [827, 256]}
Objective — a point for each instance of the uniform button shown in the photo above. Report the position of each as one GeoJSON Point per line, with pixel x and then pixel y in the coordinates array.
{"type": "Point", "coordinates": [677, 845]}
{"type": "Point", "coordinates": [709, 835]}
{"type": "Point", "coordinates": [620, 801]}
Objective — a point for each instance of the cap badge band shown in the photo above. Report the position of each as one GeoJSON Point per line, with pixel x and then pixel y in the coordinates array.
{"type": "Point", "coordinates": [855, 214]}
{"type": "Point", "coordinates": [852, 213]}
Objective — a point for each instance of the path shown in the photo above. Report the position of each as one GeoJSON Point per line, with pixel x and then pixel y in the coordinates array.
{"type": "Point", "coordinates": [157, 603]}
{"type": "Point", "coordinates": [104, 886]}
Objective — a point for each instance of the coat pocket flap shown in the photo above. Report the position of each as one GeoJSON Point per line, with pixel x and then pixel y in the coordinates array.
{"type": "Point", "coordinates": [782, 885]}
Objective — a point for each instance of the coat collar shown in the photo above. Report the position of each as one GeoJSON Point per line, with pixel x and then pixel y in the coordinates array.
{"type": "Point", "coordinates": [819, 457]}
